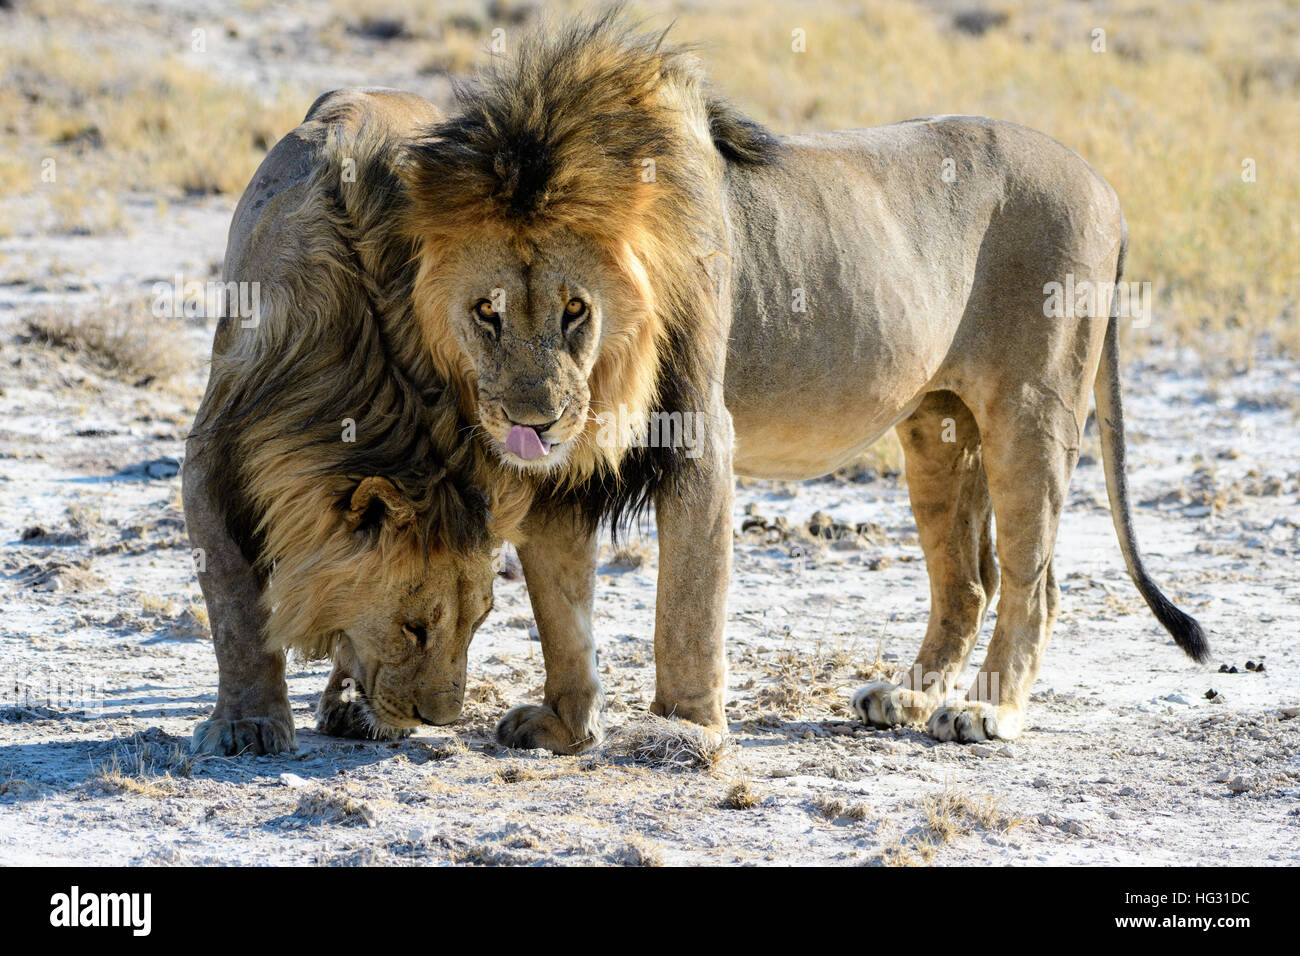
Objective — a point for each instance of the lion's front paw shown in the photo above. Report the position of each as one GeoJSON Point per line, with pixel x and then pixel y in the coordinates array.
{"type": "Point", "coordinates": [247, 735]}
{"type": "Point", "coordinates": [883, 704]}
{"type": "Point", "coordinates": [339, 716]}
{"type": "Point", "coordinates": [971, 721]}
{"type": "Point", "coordinates": [533, 726]}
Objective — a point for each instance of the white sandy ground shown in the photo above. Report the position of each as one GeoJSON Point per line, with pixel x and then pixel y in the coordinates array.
{"type": "Point", "coordinates": [1124, 759]}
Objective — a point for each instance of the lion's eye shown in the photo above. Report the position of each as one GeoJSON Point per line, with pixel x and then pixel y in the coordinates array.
{"type": "Point", "coordinates": [484, 312]}
{"type": "Point", "coordinates": [574, 310]}
{"type": "Point", "coordinates": [418, 634]}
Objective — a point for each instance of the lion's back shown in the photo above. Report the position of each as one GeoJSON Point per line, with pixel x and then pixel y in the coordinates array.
{"type": "Point", "coordinates": [273, 221]}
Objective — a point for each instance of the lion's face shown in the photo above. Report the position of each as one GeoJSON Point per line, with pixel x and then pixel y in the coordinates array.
{"type": "Point", "coordinates": [533, 325]}
{"type": "Point", "coordinates": [409, 636]}
{"type": "Point", "coordinates": [399, 617]}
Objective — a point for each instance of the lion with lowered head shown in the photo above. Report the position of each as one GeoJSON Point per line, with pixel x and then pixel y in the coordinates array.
{"type": "Point", "coordinates": [333, 503]}
{"type": "Point", "coordinates": [604, 240]}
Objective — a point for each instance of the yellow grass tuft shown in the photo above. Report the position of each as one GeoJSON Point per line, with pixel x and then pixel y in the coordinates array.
{"type": "Point", "coordinates": [637, 852]}
{"type": "Point", "coordinates": [121, 339]}
{"type": "Point", "coordinates": [949, 814]}
{"type": "Point", "coordinates": [740, 796]}
{"type": "Point", "coordinates": [833, 808]}
{"type": "Point", "coordinates": [806, 684]}
{"type": "Point", "coordinates": [668, 745]}
{"type": "Point", "coordinates": [135, 770]}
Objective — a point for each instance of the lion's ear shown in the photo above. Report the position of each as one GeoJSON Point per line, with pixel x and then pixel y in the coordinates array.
{"type": "Point", "coordinates": [377, 501]}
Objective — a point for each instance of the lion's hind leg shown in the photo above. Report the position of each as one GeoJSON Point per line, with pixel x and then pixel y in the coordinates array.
{"type": "Point", "coordinates": [950, 502]}
{"type": "Point", "coordinates": [1029, 455]}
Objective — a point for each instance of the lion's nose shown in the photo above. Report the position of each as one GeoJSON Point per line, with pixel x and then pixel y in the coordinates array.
{"type": "Point", "coordinates": [439, 707]}
{"type": "Point", "coordinates": [540, 427]}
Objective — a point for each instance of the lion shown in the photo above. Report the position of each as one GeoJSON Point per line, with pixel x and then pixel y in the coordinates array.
{"type": "Point", "coordinates": [332, 503]}
{"type": "Point", "coordinates": [603, 239]}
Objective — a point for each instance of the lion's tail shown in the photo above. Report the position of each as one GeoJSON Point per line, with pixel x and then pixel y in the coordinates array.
{"type": "Point", "coordinates": [1186, 632]}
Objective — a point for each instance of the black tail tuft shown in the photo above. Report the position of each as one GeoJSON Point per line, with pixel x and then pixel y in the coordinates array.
{"type": "Point", "coordinates": [1185, 629]}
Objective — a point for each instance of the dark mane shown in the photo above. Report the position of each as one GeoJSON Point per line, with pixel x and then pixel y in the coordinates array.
{"type": "Point", "coordinates": [739, 139]}
{"type": "Point", "coordinates": [339, 342]}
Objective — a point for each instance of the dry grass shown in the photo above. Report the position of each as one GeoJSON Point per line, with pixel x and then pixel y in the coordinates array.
{"type": "Point", "coordinates": [112, 123]}
{"type": "Point", "coordinates": [908, 853]}
{"type": "Point", "coordinates": [637, 852]}
{"type": "Point", "coordinates": [667, 745]}
{"type": "Point", "coordinates": [454, 747]}
{"type": "Point", "coordinates": [876, 669]}
{"type": "Point", "coordinates": [740, 796]}
{"type": "Point", "coordinates": [486, 692]}
{"type": "Point", "coordinates": [85, 212]}
{"type": "Point", "coordinates": [144, 769]}
{"type": "Point", "coordinates": [949, 814]}
{"type": "Point", "coordinates": [806, 684]}
{"type": "Point", "coordinates": [161, 606]}
{"type": "Point", "coordinates": [18, 787]}
{"type": "Point", "coordinates": [123, 340]}
{"type": "Point", "coordinates": [522, 773]}
{"type": "Point", "coordinates": [326, 806]}
{"type": "Point", "coordinates": [832, 808]}
{"type": "Point", "coordinates": [198, 613]}
{"type": "Point", "coordinates": [954, 812]}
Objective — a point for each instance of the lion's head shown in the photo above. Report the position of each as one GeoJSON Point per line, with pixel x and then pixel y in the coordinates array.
{"type": "Point", "coordinates": [349, 483]}
{"type": "Point", "coordinates": [552, 336]}
{"type": "Point", "coordinates": [568, 219]}
{"type": "Point", "coordinates": [361, 577]}
{"type": "Point", "coordinates": [389, 574]}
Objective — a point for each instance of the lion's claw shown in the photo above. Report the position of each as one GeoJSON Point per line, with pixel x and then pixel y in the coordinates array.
{"type": "Point", "coordinates": [882, 704]}
{"type": "Point", "coordinates": [972, 721]}
{"type": "Point", "coordinates": [533, 726]}
{"type": "Point", "coordinates": [248, 735]}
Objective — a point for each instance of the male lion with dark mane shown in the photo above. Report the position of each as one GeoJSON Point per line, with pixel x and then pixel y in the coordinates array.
{"type": "Point", "coordinates": [603, 238]}
{"type": "Point", "coordinates": [335, 507]}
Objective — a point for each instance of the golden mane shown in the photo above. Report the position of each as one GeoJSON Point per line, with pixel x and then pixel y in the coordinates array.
{"type": "Point", "coordinates": [612, 135]}
{"type": "Point", "coordinates": [337, 339]}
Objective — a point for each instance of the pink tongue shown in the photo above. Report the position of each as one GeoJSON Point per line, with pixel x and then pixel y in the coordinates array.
{"type": "Point", "coordinates": [525, 443]}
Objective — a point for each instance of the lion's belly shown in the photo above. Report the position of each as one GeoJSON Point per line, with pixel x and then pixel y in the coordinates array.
{"type": "Point", "coordinates": [807, 396]}
{"type": "Point", "coordinates": [797, 449]}
{"type": "Point", "coordinates": [807, 424]}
